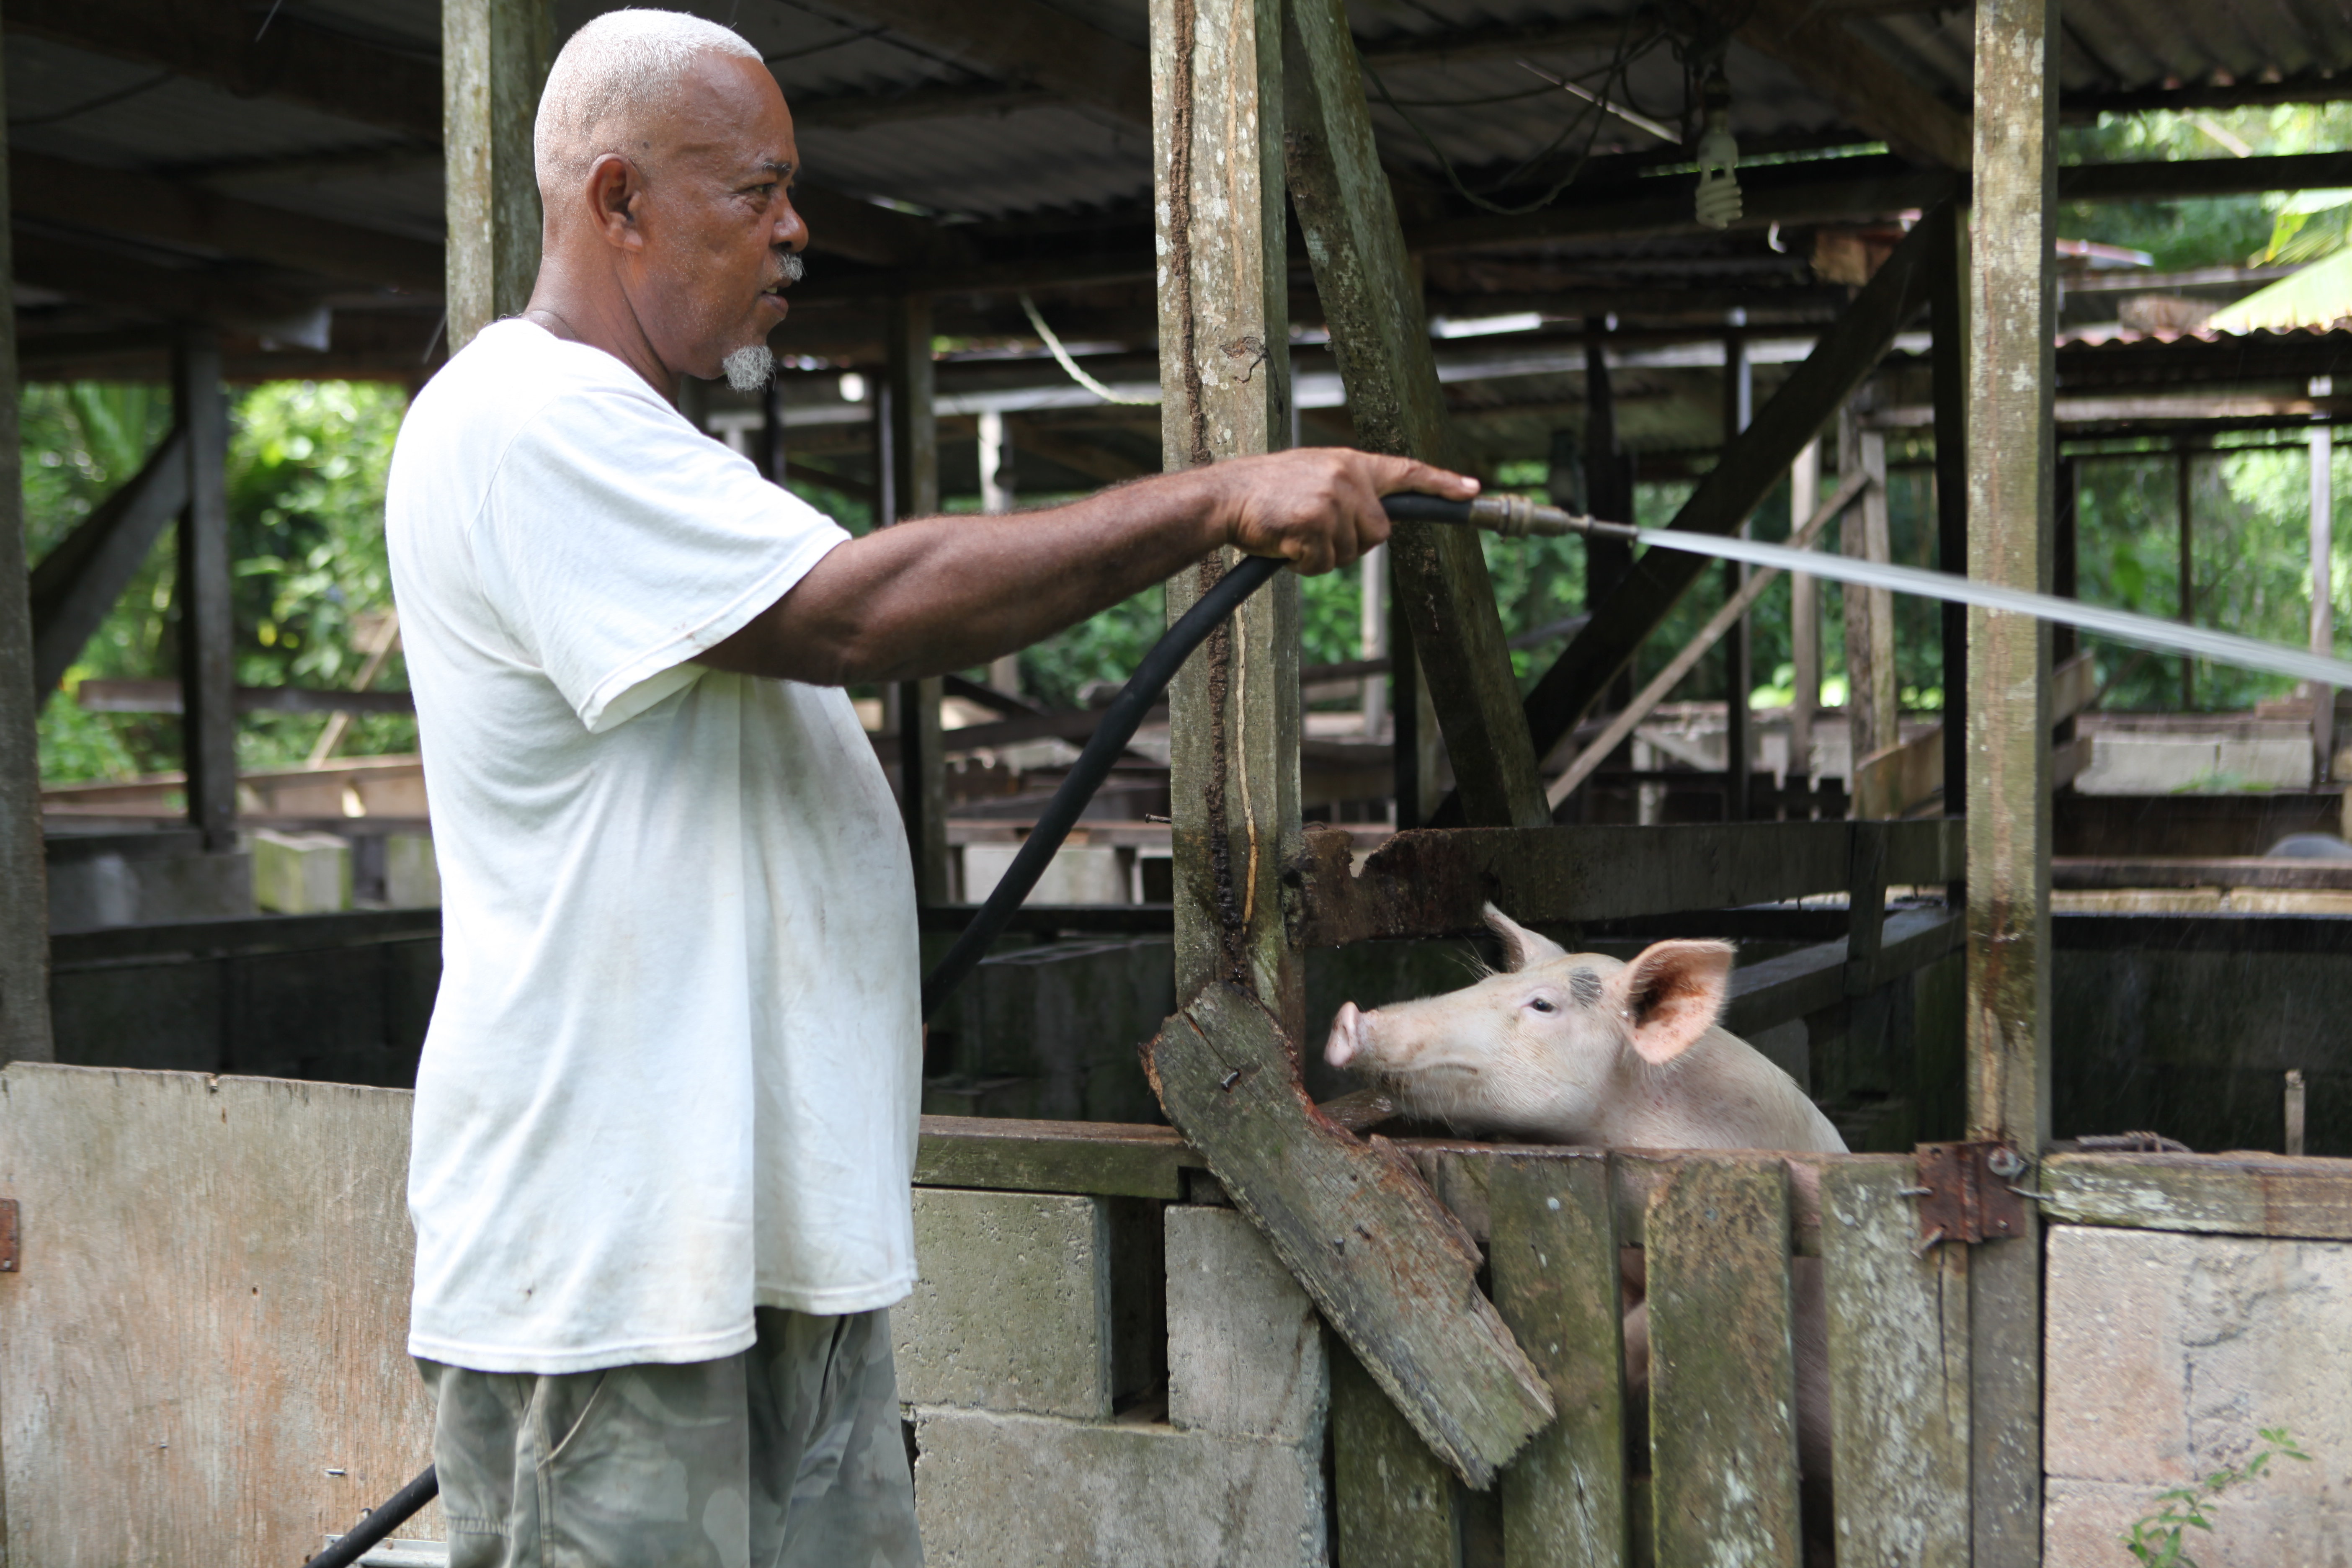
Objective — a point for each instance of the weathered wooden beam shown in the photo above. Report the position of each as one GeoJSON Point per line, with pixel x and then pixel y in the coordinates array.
{"type": "Point", "coordinates": [1796, 984]}
{"type": "Point", "coordinates": [79, 581]}
{"type": "Point", "coordinates": [1948, 319]}
{"type": "Point", "coordinates": [494, 60]}
{"type": "Point", "coordinates": [1745, 472]}
{"type": "Point", "coordinates": [214, 41]}
{"type": "Point", "coordinates": [912, 443]}
{"type": "Point", "coordinates": [1874, 92]}
{"type": "Point", "coordinates": [1898, 1367]}
{"type": "Point", "coordinates": [1027, 42]}
{"type": "Point", "coordinates": [1553, 1254]}
{"type": "Point", "coordinates": [208, 618]}
{"type": "Point", "coordinates": [24, 862]}
{"type": "Point", "coordinates": [1723, 1394]}
{"type": "Point", "coordinates": [113, 696]}
{"type": "Point", "coordinates": [115, 201]}
{"type": "Point", "coordinates": [1392, 1271]}
{"type": "Point", "coordinates": [1396, 1504]}
{"type": "Point", "coordinates": [1380, 340]}
{"type": "Point", "coordinates": [1435, 881]}
{"type": "Point", "coordinates": [224, 296]}
{"type": "Point", "coordinates": [1107, 1158]}
{"type": "Point", "coordinates": [2211, 1194]}
{"type": "Point", "coordinates": [2011, 445]}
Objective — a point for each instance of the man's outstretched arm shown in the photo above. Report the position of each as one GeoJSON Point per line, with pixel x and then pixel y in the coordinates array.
{"type": "Point", "coordinates": [940, 594]}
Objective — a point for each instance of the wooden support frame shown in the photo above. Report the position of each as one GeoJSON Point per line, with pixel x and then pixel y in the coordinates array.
{"type": "Point", "coordinates": [494, 59]}
{"type": "Point", "coordinates": [1373, 305]}
{"type": "Point", "coordinates": [1748, 469]}
{"type": "Point", "coordinates": [207, 621]}
{"type": "Point", "coordinates": [913, 447]}
{"type": "Point", "coordinates": [24, 865]}
{"type": "Point", "coordinates": [79, 581]}
{"type": "Point", "coordinates": [2012, 444]}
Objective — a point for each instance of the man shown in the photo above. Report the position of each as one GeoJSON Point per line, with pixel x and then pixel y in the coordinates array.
{"type": "Point", "coordinates": [666, 1114]}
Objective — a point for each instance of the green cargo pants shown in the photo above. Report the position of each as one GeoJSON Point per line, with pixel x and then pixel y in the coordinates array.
{"type": "Point", "coordinates": [787, 1456]}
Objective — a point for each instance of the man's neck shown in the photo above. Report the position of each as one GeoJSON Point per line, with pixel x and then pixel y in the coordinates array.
{"type": "Point", "coordinates": [601, 317]}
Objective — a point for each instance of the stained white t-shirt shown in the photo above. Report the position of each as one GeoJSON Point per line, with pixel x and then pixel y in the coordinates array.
{"type": "Point", "coordinates": [674, 1068]}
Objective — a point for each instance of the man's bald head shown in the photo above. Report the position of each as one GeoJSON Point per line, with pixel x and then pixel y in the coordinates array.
{"type": "Point", "coordinates": [615, 83]}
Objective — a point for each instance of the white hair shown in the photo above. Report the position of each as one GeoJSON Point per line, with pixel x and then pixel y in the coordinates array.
{"type": "Point", "coordinates": [620, 69]}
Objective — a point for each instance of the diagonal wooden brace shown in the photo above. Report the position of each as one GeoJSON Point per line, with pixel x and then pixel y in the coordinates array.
{"type": "Point", "coordinates": [1392, 1268]}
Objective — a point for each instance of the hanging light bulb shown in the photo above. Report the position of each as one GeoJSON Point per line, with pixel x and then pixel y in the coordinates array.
{"type": "Point", "coordinates": [1719, 158]}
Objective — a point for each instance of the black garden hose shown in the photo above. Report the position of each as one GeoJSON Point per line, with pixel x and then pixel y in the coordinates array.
{"type": "Point", "coordinates": [364, 1536]}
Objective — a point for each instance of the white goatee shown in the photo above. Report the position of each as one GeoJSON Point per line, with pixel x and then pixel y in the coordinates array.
{"type": "Point", "coordinates": [750, 369]}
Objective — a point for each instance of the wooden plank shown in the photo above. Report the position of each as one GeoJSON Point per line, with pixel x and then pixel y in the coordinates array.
{"type": "Point", "coordinates": [213, 1293]}
{"type": "Point", "coordinates": [1872, 703]}
{"type": "Point", "coordinates": [1947, 326]}
{"type": "Point", "coordinates": [1107, 1158]}
{"type": "Point", "coordinates": [2011, 489]}
{"type": "Point", "coordinates": [1031, 42]}
{"type": "Point", "coordinates": [2214, 1195]}
{"type": "Point", "coordinates": [79, 581]}
{"type": "Point", "coordinates": [1891, 781]}
{"type": "Point", "coordinates": [494, 58]}
{"type": "Point", "coordinates": [2224, 871]}
{"type": "Point", "coordinates": [1392, 1271]}
{"type": "Point", "coordinates": [121, 202]}
{"type": "Point", "coordinates": [1898, 1376]}
{"type": "Point", "coordinates": [24, 870]}
{"type": "Point", "coordinates": [1796, 984]}
{"type": "Point", "coordinates": [207, 627]}
{"type": "Point", "coordinates": [1371, 304]}
{"type": "Point", "coordinates": [1723, 1389]}
{"type": "Point", "coordinates": [1396, 1505]}
{"type": "Point", "coordinates": [1872, 90]}
{"type": "Point", "coordinates": [1554, 1262]}
{"type": "Point", "coordinates": [1225, 300]}
{"type": "Point", "coordinates": [1748, 468]}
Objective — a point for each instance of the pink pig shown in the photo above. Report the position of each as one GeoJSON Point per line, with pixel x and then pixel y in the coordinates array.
{"type": "Point", "coordinates": [1562, 1047]}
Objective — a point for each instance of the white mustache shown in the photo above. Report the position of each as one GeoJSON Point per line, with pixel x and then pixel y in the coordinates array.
{"type": "Point", "coordinates": [793, 267]}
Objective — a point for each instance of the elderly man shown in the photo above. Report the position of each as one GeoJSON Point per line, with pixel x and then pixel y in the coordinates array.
{"type": "Point", "coordinates": [666, 1114]}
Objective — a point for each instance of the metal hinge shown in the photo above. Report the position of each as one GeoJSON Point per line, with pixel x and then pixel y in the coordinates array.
{"type": "Point", "coordinates": [1967, 1192]}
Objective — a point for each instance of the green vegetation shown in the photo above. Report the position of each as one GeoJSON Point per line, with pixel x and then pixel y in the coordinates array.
{"type": "Point", "coordinates": [2155, 1538]}
{"type": "Point", "coordinates": [305, 472]}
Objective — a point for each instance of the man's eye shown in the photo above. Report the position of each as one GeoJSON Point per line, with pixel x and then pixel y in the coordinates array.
{"type": "Point", "coordinates": [1542, 1004]}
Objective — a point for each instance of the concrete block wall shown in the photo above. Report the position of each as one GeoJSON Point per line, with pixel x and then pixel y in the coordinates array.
{"type": "Point", "coordinates": [1039, 1444]}
{"type": "Point", "coordinates": [2163, 1356]}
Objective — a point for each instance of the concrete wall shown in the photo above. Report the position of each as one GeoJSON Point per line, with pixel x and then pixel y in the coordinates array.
{"type": "Point", "coordinates": [2165, 1353]}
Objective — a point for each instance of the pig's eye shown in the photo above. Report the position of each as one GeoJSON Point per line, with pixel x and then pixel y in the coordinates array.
{"type": "Point", "coordinates": [1542, 1004]}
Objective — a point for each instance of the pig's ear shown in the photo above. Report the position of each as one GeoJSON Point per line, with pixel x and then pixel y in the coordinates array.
{"type": "Point", "coordinates": [1672, 995]}
{"type": "Point", "coordinates": [1521, 946]}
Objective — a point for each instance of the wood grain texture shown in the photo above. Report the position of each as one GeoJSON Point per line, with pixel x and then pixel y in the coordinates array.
{"type": "Point", "coordinates": [1372, 303]}
{"type": "Point", "coordinates": [494, 60]}
{"type": "Point", "coordinates": [1392, 1271]}
{"type": "Point", "coordinates": [1554, 1260]}
{"type": "Point", "coordinates": [24, 864]}
{"type": "Point", "coordinates": [211, 1316]}
{"type": "Point", "coordinates": [2011, 488]}
{"type": "Point", "coordinates": [1898, 1376]}
{"type": "Point", "coordinates": [2217, 1195]}
{"type": "Point", "coordinates": [1723, 1425]}
{"type": "Point", "coordinates": [1395, 1502]}
{"type": "Point", "coordinates": [1107, 1158]}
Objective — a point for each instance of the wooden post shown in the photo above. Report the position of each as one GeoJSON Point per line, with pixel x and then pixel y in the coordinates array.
{"type": "Point", "coordinates": [207, 630]}
{"type": "Point", "coordinates": [1738, 404]}
{"type": "Point", "coordinates": [1372, 303]}
{"type": "Point", "coordinates": [24, 874]}
{"type": "Point", "coordinates": [1607, 561]}
{"type": "Point", "coordinates": [1372, 634]}
{"type": "Point", "coordinates": [494, 60]}
{"type": "Point", "coordinates": [1225, 1068]}
{"type": "Point", "coordinates": [2011, 373]}
{"type": "Point", "coordinates": [1804, 624]}
{"type": "Point", "coordinates": [914, 470]}
{"type": "Point", "coordinates": [996, 498]}
{"type": "Point", "coordinates": [1872, 702]}
{"type": "Point", "coordinates": [770, 455]}
{"type": "Point", "coordinates": [2181, 475]}
{"type": "Point", "coordinates": [2322, 592]}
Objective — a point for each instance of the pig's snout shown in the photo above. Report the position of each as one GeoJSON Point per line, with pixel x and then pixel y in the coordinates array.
{"type": "Point", "coordinates": [1347, 1041]}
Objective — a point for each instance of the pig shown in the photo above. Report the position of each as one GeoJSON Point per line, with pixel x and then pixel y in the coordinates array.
{"type": "Point", "coordinates": [1562, 1047]}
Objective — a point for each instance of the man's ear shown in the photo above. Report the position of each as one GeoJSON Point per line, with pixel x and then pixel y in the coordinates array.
{"type": "Point", "coordinates": [1671, 994]}
{"type": "Point", "coordinates": [613, 191]}
{"type": "Point", "coordinates": [1521, 946]}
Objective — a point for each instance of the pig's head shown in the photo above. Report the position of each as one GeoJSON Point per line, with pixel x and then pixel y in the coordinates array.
{"type": "Point", "coordinates": [1544, 1046]}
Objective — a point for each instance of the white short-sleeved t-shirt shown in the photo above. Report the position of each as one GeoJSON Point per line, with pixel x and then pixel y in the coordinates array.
{"type": "Point", "coordinates": [674, 1068]}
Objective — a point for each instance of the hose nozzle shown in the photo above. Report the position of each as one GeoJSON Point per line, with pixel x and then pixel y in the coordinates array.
{"type": "Point", "coordinates": [1512, 517]}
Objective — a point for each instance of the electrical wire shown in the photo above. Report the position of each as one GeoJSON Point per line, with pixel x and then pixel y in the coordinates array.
{"type": "Point", "coordinates": [1061, 357]}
